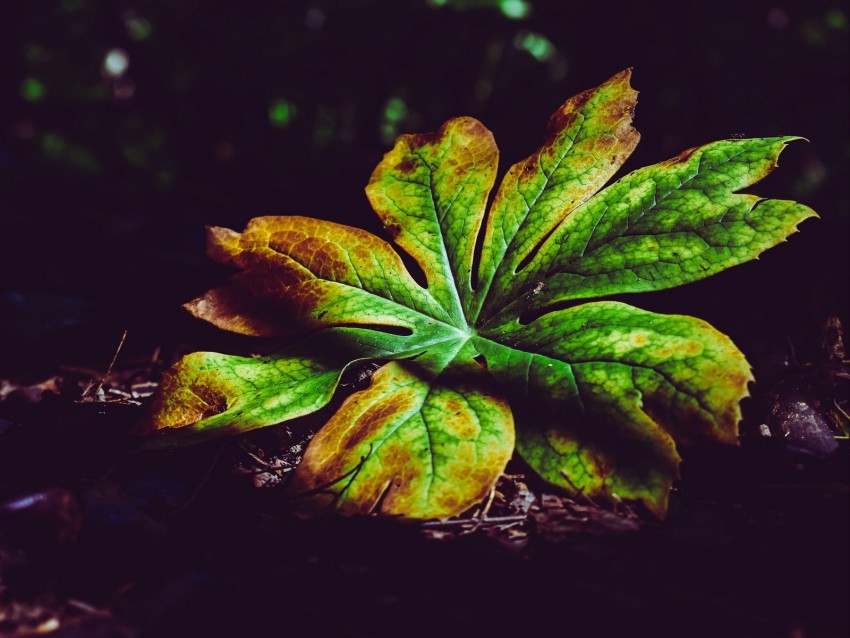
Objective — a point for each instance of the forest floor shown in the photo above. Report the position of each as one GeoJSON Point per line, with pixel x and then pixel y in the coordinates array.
{"type": "Point", "coordinates": [99, 540]}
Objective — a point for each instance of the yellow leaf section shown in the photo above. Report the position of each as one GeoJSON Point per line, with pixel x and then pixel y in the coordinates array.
{"type": "Point", "coordinates": [408, 447]}
{"type": "Point", "coordinates": [431, 192]}
{"type": "Point", "coordinates": [315, 273]}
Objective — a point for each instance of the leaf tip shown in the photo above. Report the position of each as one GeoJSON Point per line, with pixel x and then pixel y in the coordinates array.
{"type": "Point", "coordinates": [624, 78]}
{"type": "Point", "coordinates": [234, 309]}
{"type": "Point", "coordinates": [222, 244]}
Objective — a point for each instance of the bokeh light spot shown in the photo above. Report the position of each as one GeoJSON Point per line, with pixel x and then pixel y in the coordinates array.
{"type": "Point", "coordinates": [836, 19]}
{"type": "Point", "coordinates": [123, 90]}
{"type": "Point", "coordinates": [116, 62]}
{"type": "Point", "coordinates": [32, 90]}
{"type": "Point", "coordinates": [52, 145]}
{"type": "Point", "coordinates": [395, 110]}
{"type": "Point", "coordinates": [281, 112]}
{"type": "Point", "coordinates": [515, 9]}
{"type": "Point", "coordinates": [138, 28]}
{"type": "Point", "coordinates": [537, 45]}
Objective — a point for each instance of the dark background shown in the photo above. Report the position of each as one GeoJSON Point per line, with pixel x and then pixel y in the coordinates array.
{"type": "Point", "coordinates": [230, 110]}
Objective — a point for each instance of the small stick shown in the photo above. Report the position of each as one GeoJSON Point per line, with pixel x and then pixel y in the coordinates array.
{"type": "Point", "coordinates": [579, 492]}
{"type": "Point", "coordinates": [99, 390]}
{"type": "Point", "coordinates": [496, 520]}
{"type": "Point", "coordinates": [84, 606]}
{"type": "Point", "coordinates": [488, 504]}
{"type": "Point", "coordinates": [482, 516]}
{"type": "Point", "coordinates": [115, 356]}
{"type": "Point", "coordinates": [257, 459]}
{"type": "Point", "coordinates": [838, 407]}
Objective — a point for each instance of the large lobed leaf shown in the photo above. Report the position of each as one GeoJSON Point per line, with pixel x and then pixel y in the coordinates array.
{"type": "Point", "coordinates": [603, 394]}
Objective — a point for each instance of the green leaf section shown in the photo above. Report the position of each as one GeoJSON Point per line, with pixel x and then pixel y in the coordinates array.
{"type": "Point", "coordinates": [206, 394]}
{"type": "Point", "coordinates": [662, 226]}
{"type": "Point", "coordinates": [430, 191]}
{"type": "Point", "coordinates": [587, 140]}
{"type": "Point", "coordinates": [409, 446]}
{"type": "Point", "coordinates": [603, 393]}
{"type": "Point", "coordinates": [609, 389]}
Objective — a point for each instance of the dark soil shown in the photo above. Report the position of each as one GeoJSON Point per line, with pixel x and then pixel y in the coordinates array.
{"type": "Point", "coordinates": [99, 540]}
